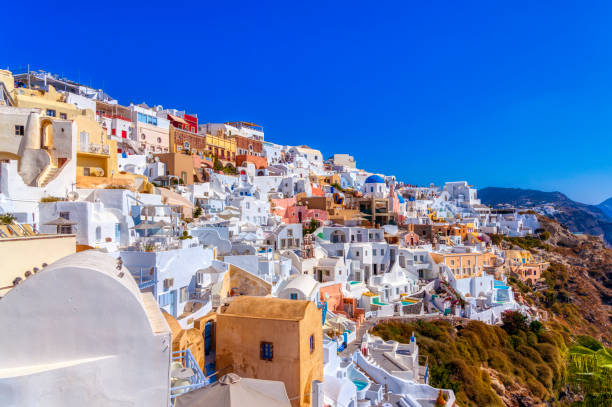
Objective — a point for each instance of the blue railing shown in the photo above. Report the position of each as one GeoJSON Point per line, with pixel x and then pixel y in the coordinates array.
{"type": "Point", "coordinates": [196, 381]}
{"type": "Point", "coordinates": [323, 306]}
{"type": "Point", "coordinates": [146, 278]}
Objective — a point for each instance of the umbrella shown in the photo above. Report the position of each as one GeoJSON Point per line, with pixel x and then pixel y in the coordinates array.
{"type": "Point", "coordinates": [61, 222]}
{"type": "Point", "coordinates": [233, 391]}
{"type": "Point", "coordinates": [145, 226]}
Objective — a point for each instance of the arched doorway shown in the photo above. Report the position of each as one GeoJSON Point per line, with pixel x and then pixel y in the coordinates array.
{"type": "Point", "coordinates": [46, 134]}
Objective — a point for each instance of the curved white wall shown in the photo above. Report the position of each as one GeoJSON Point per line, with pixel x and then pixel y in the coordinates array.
{"type": "Point", "coordinates": [75, 334]}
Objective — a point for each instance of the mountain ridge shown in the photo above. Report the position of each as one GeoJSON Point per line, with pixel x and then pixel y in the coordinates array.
{"type": "Point", "coordinates": [577, 216]}
{"type": "Point", "coordinates": [606, 207]}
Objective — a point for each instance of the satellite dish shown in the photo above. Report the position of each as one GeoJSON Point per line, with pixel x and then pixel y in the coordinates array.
{"type": "Point", "coordinates": [73, 196]}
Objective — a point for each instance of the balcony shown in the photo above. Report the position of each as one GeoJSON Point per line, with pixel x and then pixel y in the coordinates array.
{"type": "Point", "coordinates": [92, 148]}
{"type": "Point", "coordinates": [146, 278]}
{"type": "Point", "coordinates": [185, 374]}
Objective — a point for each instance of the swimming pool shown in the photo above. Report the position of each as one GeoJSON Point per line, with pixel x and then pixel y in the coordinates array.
{"type": "Point", "coordinates": [376, 301]}
{"type": "Point", "coordinates": [360, 385]}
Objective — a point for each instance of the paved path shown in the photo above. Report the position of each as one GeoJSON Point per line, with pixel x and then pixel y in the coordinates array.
{"type": "Point", "coordinates": [369, 324]}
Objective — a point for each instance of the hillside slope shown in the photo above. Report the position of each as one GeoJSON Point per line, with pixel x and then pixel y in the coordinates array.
{"type": "Point", "coordinates": [520, 364]}
{"type": "Point", "coordinates": [578, 217]}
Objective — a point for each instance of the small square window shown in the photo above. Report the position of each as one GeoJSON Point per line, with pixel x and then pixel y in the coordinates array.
{"type": "Point", "coordinates": [266, 350]}
{"type": "Point", "coordinates": [293, 296]}
{"type": "Point", "coordinates": [19, 130]}
{"type": "Point", "coordinates": [63, 116]}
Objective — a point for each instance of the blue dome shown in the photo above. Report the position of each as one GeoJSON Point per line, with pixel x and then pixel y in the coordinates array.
{"type": "Point", "coordinates": [401, 200]}
{"type": "Point", "coordinates": [374, 179]}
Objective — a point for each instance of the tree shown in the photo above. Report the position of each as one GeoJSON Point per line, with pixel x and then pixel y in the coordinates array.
{"type": "Point", "coordinates": [229, 169]}
{"type": "Point", "coordinates": [7, 219]}
{"type": "Point", "coordinates": [217, 166]}
{"type": "Point", "coordinates": [197, 212]}
{"type": "Point", "coordinates": [513, 322]}
{"type": "Point", "coordinates": [536, 326]}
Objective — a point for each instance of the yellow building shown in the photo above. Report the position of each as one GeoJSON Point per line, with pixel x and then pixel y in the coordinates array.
{"type": "Point", "coordinates": [96, 154]}
{"type": "Point", "coordinates": [221, 146]}
{"type": "Point", "coordinates": [272, 339]}
{"type": "Point", "coordinates": [21, 251]}
{"type": "Point", "coordinates": [463, 265]}
{"type": "Point", "coordinates": [516, 257]}
{"type": "Point", "coordinates": [330, 179]}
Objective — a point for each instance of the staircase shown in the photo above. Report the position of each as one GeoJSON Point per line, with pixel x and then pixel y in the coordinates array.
{"type": "Point", "coordinates": [47, 175]}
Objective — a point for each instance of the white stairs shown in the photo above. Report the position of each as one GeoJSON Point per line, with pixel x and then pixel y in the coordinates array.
{"type": "Point", "coordinates": [47, 175]}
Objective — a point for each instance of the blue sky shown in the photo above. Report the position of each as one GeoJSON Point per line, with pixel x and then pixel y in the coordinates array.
{"type": "Point", "coordinates": [515, 94]}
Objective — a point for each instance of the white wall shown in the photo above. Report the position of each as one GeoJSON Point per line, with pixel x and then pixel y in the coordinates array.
{"type": "Point", "coordinates": [76, 334]}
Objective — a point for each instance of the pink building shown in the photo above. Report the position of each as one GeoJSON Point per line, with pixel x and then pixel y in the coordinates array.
{"type": "Point", "coordinates": [336, 303]}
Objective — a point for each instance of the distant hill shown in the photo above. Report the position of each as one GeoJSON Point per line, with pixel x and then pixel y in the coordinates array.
{"type": "Point", "coordinates": [578, 217]}
{"type": "Point", "coordinates": [606, 207]}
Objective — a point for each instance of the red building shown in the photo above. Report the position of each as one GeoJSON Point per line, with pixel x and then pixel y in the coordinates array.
{"type": "Point", "coordinates": [188, 122]}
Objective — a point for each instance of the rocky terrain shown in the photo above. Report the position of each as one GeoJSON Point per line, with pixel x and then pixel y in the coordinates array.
{"type": "Point", "coordinates": [578, 286]}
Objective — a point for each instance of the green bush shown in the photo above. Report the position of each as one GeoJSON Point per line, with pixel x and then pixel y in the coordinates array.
{"type": "Point", "coordinates": [532, 358]}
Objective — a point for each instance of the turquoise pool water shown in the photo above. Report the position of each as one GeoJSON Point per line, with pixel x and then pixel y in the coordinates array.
{"type": "Point", "coordinates": [360, 385]}
{"type": "Point", "coordinates": [354, 282]}
{"type": "Point", "coordinates": [376, 301]}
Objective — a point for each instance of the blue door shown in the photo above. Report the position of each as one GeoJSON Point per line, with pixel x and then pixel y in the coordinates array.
{"type": "Point", "coordinates": [173, 303]}
{"type": "Point", "coordinates": [207, 337]}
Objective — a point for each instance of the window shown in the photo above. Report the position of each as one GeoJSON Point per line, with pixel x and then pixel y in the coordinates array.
{"type": "Point", "coordinates": [183, 294]}
{"type": "Point", "coordinates": [63, 116]}
{"type": "Point", "coordinates": [186, 145]}
{"type": "Point", "coordinates": [312, 343]}
{"type": "Point", "coordinates": [293, 296]}
{"type": "Point", "coordinates": [19, 130]}
{"type": "Point", "coordinates": [51, 112]}
{"type": "Point", "coordinates": [123, 134]}
{"type": "Point", "coordinates": [164, 300]}
{"type": "Point", "coordinates": [98, 233]}
{"type": "Point", "coordinates": [266, 351]}
{"type": "Point", "coordinates": [159, 139]}
{"type": "Point", "coordinates": [65, 215]}
{"type": "Point", "coordinates": [142, 137]}
{"type": "Point", "coordinates": [373, 252]}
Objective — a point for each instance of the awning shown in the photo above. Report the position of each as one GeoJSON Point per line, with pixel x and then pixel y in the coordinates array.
{"type": "Point", "coordinates": [177, 119]}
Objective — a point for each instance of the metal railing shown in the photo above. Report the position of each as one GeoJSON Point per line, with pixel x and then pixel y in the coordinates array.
{"type": "Point", "coordinates": [196, 381]}
{"type": "Point", "coordinates": [146, 278]}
